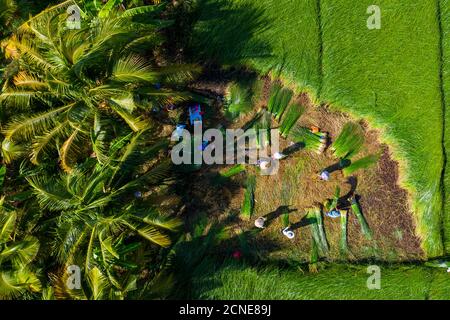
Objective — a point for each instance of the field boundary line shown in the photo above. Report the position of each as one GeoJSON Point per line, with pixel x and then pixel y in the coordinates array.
{"type": "Point", "coordinates": [444, 123]}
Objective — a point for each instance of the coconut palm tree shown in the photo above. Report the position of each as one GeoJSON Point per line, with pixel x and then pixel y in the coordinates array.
{"type": "Point", "coordinates": [18, 278]}
{"type": "Point", "coordinates": [104, 7]}
{"type": "Point", "coordinates": [69, 83]}
{"type": "Point", "coordinates": [18, 249]}
{"type": "Point", "coordinates": [110, 219]}
{"type": "Point", "coordinates": [7, 10]}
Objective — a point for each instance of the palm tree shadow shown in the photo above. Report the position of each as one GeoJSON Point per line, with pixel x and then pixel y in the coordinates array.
{"type": "Point", "coordinates": [225, 33]}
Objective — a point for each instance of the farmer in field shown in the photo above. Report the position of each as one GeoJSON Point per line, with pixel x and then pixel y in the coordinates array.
{"type": "Point", "coordinates": [259, 223]}
{"type": "Point", "coordinates": [288, 233]}
{"type": "Point", "coordinates": [324, 175]}
{"type": "Point", "coordinates": [334, 213]}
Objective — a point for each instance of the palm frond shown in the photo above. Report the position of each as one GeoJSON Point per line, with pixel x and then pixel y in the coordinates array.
{"type": "Point", "coordinates": [14, 284]}
{"type": "Point", "coordinates": [178, 73]}
{"type": "Point", "coordinates": [154, 235]}
{"type": "Point", "coordinates": [70, 151]}
{"type": "Point", "coordinates": [133, 69]}
{"type": "Point", "coordinates": [47, 141]}
{"type": "Point", "coordinates": [165, 222]}
{"type": "Point", "coordinates": [143, 10]}
{"type": "Point", "coordinates": [21, 253]}
{"type": "Point", "coordinates": [19, 99]}
{"type": "Point", "coordinates": [27, 127]}
{"type": "Point", "coordinates": [51, 194]}
{"type": "Point", "coordinates": [23, 79]}
{"type": "Point", "coordinates": [7, 224]}
{"type": "Point", "coordinates": [135, 123]}
{"type": "Point", "coordinates": [11, 151]}
{"type": "Point", "coordinates": [98, 282]}
{"type": "Point", "coordinates": [7, 10]}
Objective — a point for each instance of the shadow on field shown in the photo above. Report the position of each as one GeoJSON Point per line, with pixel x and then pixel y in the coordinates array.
{"type": "Point", "coordinates": [225, 32]}
{"type": "Point", "coordinates": [206, 251]}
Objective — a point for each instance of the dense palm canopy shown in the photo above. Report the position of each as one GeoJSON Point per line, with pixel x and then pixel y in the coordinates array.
{"type": "Point", "coordinates": [7, 9]}
{"type": "Point", "coordinates": [18, 249]}
{"type": "Point", "coordinates": [17, 277]}
{"type": "Point", "coordinates": [99, 212]}
{"type": "Point", "coordinates": [70, 85]}
{"type": "Point", "coordinates": [80, 104]}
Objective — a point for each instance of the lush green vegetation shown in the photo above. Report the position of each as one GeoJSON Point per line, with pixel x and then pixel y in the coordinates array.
{"type": "Point", "coordinates": [259, 32]}
{"type": "Point", "coordinates": [342, 282]}
{"type": "Point", "coordinates": [445, 39]}
{"type": "Point", "coordinates": [389, 76]}
{"type": "Point", "coordinates": [86, 180]}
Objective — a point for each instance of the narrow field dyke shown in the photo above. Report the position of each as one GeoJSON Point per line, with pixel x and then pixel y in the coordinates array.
{"type": "Point", "coordinates": [445, 78]}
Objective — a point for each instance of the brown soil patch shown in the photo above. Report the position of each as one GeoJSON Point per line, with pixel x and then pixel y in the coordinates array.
{"type": "Point", "coordinates": [384, 203]}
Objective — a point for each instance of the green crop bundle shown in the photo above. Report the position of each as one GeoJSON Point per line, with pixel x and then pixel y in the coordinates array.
{"type": "Point", "coordinates": [281, 103]}
{"type": "Point", "coordinates": [356, 208]}
{"type": "Point", "coordinates": [249, 198]}
{"type": "Point", "coordinates": [293, 113]}
{"type": "Point", "coordinates": [285, 220]}
{"type": "Point", "coordinates": [323, 238]}
{"type": "Point", "coordinates": [317, 231]}
{"type": "Point", "coordinates": [311, 141]}
{"type": "Point", "coordinates": [362, 163]}
{"type": "Point", "coordinates": [349, 141]}
{"type": "Point", "coordinates": [314, 256]}
{"type": "Point", "coordinates": [234, 170]}
{"type": "Point", "coordinates": [343, 241]}
{"type": "Point", "coordinates": [337, 195]}
{"type": "Point", "coordinates": [273, 97]}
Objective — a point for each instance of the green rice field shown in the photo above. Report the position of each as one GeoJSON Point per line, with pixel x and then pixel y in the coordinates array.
{"type": "Point", "coordinates": [445, 25]}
{"type": "Point", "coordinates": [391, 76]}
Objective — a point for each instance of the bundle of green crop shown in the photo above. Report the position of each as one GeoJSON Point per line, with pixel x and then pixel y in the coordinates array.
{"type": "Point", "coordinates": [343, 241]}
{"type": "Point", "coordinates": [311, 141]}
{"type": "Point", "coordinates": [314, 256]}
{"type": "Point", "coordinates": [349, 141]}
{"type": "Point", "coordinates": [234, 170]}
{"type": "Point", "coordinates": [362, 163]}
{"type": "Point", "coordinates": [264, 122]}
{"type": "Point", "coordinates": [279, 100]}
{"type": "Point", "coordinates": [293, 113]}
{"type": "Point", "coordinates": [317, 229]}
